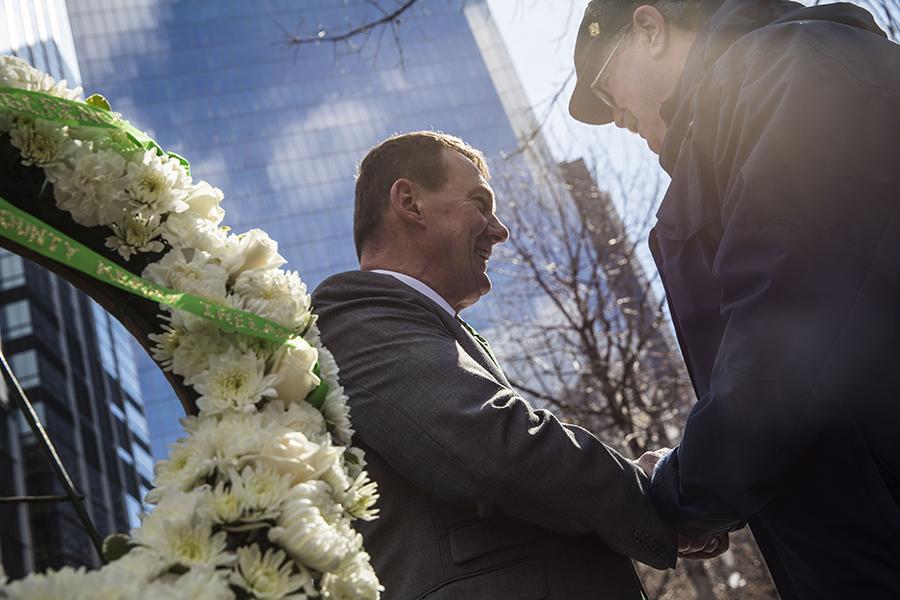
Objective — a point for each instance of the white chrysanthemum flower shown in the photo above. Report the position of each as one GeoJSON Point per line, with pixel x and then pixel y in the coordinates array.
{"type": "Point", "coordinates": [224, 505]}
{"type": "Point", "coordinates": [157, 184]}
{"type": "Point", "coordinates": [197, 584]}
{"type": "Point", "coordinates": [139, 564]}
{"type": "Point", "coordinates": [16, 73]}
{"type": "Point", "coordinates": [204, 201]}
{"type": "Point", "coordinates": [337, 415]}
{"type": "Point", "coordinates": [269, 576]}
{"type": "Point", "coordinates": [166, 343]}
{"type": "Point", "coordinates": [190, 459]}
{"type": "Point", "coordinates": [65, 584]}
{"type": "Point", "coordinates": [189, 230]}
{"type": "Point", "coordinates": [190, 272]}
{"type": "Point", "coordinates": [251, 250]}
{"type": "Point", "coordinates": [355, 581]}
{"type": "Point", "coordinates": [135, 233]}
{"type": "Point", "coordinates": [295, 454]}
{"type": "Point", "coordinates": [313, 336]}
{"type": "Point", "coordinates": [276, 295]}
{"type": "Point", "coordinates": [295, 416]}
{"type": "Point", "coordinates": [235, 380]}
{"type": "Point", "coordinates": [358, 496]}
{"type": "Point", "coordinates": [294, 362]}
{"type": "Point", "coordinates": [40, 142]}
{"type": "Point", "coordinates": [251, 496]}
{"type": "Point", "coordinates": [237, 438]}
{"type": "Point", "coordinates": [313, 530]}
{"type": "Point", "coordinates": [327, 365]}
{"type": "Point", "coordinates": [335, 408]}
{"type": "Point", "coordinates": [262, 492]}
{"type": "Point", "coordinates": [195, 346]}
{"type": "Point", "coordinates": [91, 187]}
{"type": "Point", "coordinates": [112, 583]}
{"type": "Point", "coordinates": [354, 461]}
{"type": "Point", "coordinates": [176, 532]}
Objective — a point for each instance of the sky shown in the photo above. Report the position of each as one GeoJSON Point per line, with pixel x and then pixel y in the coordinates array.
{"type": "Point", "coordinates": [540, 38]}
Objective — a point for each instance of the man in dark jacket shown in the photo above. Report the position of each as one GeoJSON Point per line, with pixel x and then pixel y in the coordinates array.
{"type": "Point", "coordinates": [778, 242]}
{"type": "Point", "coordinates": [482, 497]}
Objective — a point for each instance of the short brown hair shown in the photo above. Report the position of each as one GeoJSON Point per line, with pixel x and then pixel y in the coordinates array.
{"type": "Point", "coordinates": [415, 156]}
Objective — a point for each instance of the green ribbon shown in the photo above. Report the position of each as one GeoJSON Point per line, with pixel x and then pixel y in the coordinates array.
{"type": "Point", "coordinates": [43, 239]}
{"type": "Point", "coordinates": [73, 113]}
{"type": "Point", "coordinates": [27, 231]}
{"type": "Point", "coordinates": [24, 229]}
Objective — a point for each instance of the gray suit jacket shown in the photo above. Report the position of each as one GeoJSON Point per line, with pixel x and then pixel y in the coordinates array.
{"type": "Point", "coordinates": [482, 497]}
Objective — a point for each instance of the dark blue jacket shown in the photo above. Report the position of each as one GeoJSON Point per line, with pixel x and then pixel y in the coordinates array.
{"type": "Point", "coordinates": [778, 242]}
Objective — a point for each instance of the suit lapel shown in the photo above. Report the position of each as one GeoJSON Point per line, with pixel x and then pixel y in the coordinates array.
{"type": "Point", "coordinates": [472, 346]}
{"type": "Point", "coordinates": [474, 349]}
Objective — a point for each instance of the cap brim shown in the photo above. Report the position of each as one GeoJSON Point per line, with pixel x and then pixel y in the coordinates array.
{"type": "Point", "coordinates": [586, 107]}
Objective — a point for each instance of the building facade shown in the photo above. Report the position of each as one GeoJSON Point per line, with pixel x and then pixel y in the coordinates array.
{"type": "Point", "coordinates": [280, 128]}
{"type": "Point", "coordinates": [76, 365]}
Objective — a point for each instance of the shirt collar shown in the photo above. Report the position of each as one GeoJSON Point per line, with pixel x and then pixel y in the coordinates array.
{"type": "Point", "coordinates": [419, 287]}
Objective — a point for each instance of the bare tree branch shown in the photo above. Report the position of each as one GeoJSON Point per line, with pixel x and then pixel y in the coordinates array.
{"type": "Point", "coordinates": [324, 36]}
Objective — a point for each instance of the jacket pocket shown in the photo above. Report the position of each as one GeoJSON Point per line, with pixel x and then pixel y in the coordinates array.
{"type": "Point", "coordinates": [475, 539]}
{"type": "Point", "coordinates": [524, 579]}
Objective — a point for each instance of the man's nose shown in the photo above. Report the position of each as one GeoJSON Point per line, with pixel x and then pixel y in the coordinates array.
{"type": "Point", "coordinates": [497, 230]}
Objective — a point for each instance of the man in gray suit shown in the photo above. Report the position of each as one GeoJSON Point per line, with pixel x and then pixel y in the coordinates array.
{"type": "Point", "coordinates": [481, 496]}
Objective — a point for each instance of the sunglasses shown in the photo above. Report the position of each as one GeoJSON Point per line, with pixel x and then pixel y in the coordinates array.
{"type": "Point", "coordinates": [597, 90]}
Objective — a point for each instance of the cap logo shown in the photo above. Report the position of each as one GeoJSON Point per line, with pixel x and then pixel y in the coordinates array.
{"type": "Point", "coordinates": [594, 29]}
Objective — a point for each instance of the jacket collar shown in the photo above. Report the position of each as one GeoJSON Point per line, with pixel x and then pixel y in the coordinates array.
{"type": "Point", "coordinates": [734, 20]}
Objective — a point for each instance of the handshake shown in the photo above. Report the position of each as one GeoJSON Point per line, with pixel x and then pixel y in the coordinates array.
{"type": "Point", "coordinates": [701, 548]}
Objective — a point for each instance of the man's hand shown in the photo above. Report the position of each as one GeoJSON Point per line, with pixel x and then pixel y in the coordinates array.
{"type": "Point", "coordinates": [702, 548]}
{"type": "Point", "coordinates": [648, 460]}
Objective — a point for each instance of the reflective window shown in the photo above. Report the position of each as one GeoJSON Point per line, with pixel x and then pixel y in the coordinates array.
{"type": "Point", "coordinates": [116, 411]}
{"type": "Point", "coordinates": [142, 462]}
{"type": "Point", "coordinates": [16, 320]}
{"type": "Point", "coordinates": [25, 367]}
{"type": "Point", "coordinates": [104, 340]}
{"type": "Point", "coordinates": [133, 508]}
{"type": "Point", "coordinates": [12, 270]}
{"type": "Point", "coordinates": [125, 455]}
{"type": "Point", "coordinates": [127, 369]}
{"type": "Point", "coordinates": [136, 421]}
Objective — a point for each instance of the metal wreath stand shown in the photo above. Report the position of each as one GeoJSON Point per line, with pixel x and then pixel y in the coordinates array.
{"type": "Point", "coordinates": [71, 495]}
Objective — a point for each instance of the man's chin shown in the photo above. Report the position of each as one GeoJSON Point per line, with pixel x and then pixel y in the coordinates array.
{"type": "Point", "coordinates": [485, 287]}
{"type": "Point", "coordinates": [482, 284]}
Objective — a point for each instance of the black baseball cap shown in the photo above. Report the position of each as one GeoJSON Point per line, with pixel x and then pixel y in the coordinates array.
{"type": "Point", "coordinates": [603, 19]}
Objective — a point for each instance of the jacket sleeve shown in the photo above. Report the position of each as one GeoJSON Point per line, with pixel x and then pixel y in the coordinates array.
{"type": "Point", "coordinates": [444, 422]}
{"type": "Point", "coordinates": [805, 155]}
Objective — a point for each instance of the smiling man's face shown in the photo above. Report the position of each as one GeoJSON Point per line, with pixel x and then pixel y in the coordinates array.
{"type": "Point", "coordinates": [462, 229]}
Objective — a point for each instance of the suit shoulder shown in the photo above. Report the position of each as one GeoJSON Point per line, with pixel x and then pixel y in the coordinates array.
{"type": "Point", "coordinates": [365, 291]}
{"type": "Point", "coordinates": [354, 283]}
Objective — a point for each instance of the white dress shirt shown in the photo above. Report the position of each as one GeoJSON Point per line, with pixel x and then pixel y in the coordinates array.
{"type": "Point", "coordinates": [421, 288]}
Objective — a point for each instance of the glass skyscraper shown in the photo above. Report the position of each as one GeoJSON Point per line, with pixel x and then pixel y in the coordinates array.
{"type": "Point", "coordinates": [280, 128]}
{"type": "Point", "coordinates": [74, 362]}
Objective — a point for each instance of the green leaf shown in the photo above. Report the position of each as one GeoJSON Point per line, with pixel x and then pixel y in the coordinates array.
{"type": "Point", "coordinates": [98, 101]}
{"type": "Point", "coordinates": [116, 546]}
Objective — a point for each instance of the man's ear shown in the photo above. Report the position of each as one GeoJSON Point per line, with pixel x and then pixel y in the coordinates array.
{"type": "Point", "coordinates": [650, 23]}
{"type": "Point", "coordinates": [406, 202]}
